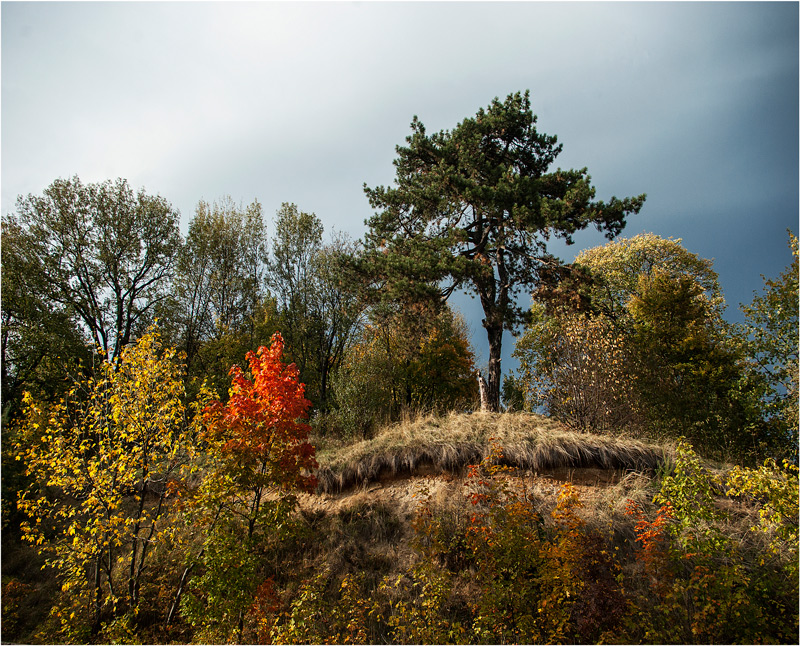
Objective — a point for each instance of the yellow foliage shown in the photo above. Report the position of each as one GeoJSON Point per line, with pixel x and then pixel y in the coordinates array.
{"type": "Point", "coordinates": [113, 437]}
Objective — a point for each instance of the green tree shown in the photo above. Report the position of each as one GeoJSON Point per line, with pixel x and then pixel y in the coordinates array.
{"type": "Point", "coordinates": [689, 367]}
{"type": "Point", "coordinates": [219, 273]}
{"type": "Point", "coordinates": [40, 342]}
{"type": "Point", "coordinates": [474, 207]}
{"type": "Point", "coordinates": [298, 238]}
{"type": "Point", "coordinates": [339, 310]}
{"type": "Point", "coordinates": [405, 360]}
{"type": "Point", "coordinates": [103, 252]}
{"type": "Point", "coordinates": [771, 327]}
{"type": "Point", "coordinates": [317, 297]}
{"type": "Point", "coordinates": [644, 347]}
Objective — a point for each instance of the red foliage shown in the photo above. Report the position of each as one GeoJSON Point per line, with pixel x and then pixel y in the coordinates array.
{"type": "Point", "coordinates": [653, 537]}
{"type": "Point", "coordinates": [261, 424]}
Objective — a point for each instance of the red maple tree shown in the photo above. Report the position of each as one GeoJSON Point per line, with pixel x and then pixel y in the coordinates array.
{"type": "Point", "coordinates": [260, 429]}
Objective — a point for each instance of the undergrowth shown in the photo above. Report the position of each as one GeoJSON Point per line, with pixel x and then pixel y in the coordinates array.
{"type": "Point", "coordinates": [670, 552]}
{"type": "Point", "coordinates": [497, 566]}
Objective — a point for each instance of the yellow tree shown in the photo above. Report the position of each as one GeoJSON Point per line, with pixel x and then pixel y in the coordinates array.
{"type": "Point", "coordinates": [102, 462]}
{"type": "Point", "coordinates": [639, 342]}
{"type": "Point", "coordinates": [577, 368]}
{"type": "Point", "coordinates": [618, 268]}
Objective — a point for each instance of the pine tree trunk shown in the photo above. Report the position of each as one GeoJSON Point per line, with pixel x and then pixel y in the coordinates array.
{"type": "Point", "coordinates": [495, 334]}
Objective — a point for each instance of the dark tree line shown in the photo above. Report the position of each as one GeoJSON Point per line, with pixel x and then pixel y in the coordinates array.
{"type": "Point", "coordinates": [87, 268]}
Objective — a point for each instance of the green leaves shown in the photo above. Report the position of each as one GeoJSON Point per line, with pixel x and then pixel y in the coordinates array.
{"type": "Point", "coordinates": [632, 336]}
{"type": "Point", "coordinates": [405, 360]}
{"type": "Point", "coordinates": [772, 331]}
{"type": "Point", "coordinates": [472, 208]}
{"type": "Point", "coordinates": [102, 251]}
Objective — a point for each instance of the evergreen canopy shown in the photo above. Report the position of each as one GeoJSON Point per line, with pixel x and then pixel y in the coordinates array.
{"type": "Point", "coordinates": [473, 208]}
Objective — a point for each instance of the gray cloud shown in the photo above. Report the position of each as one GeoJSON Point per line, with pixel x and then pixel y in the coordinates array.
{"type": "Point", "coordinates": [694, 103]}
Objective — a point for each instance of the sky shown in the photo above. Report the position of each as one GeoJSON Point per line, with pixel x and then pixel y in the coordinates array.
{"type": "Point", "coordinates": [695, 104]}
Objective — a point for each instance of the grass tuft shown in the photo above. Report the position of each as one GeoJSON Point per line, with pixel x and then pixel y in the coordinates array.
{"type": "Point", "coordinates": [450, 443]}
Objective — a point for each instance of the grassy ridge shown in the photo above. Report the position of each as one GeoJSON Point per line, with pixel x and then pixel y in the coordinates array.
{"type": "Point", "coordinates": [451, 442]}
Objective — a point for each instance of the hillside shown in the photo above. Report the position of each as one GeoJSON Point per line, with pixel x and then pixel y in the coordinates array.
{"type": "Point", "coordinates": [555, 537]}
{"type": "Point", "coordinates": [400, 508]}
{"type": "Point", "coordinates": [450, 443]}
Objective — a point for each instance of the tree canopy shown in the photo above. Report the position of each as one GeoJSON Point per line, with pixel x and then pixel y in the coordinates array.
{"type": "Point", "coordinates": [100, 462]}
{"type": "Point", "coordinates": [103, 251]}
{"type": "Point", "coordinates": [473, 208]}
{"type": "Point", "coordinates": [771, 326]}
{"type": "Point", "coordinates": [650, 352]}
{"type": "Point", "coordinates": [219, 271]}
{"type": "Point", "coordinates": [619, 265]}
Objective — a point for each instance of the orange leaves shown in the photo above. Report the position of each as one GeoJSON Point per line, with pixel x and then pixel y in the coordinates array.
{"type": "Point", "coordinates": [259, 426]}
{"type": "Point", "coordinates": [652, 535]}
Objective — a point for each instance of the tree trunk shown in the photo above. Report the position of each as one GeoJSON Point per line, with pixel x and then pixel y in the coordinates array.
{"type": "Point", "coordinates": [495, 334]}
{"type": "Point", "coordinates": [250, 531]}
{"type": "Point", "coordinates": [177, 601]}
{"type": "Point", "coordinates": [482, 389]}
{"type": "Point", "coordinates": [98, 597]}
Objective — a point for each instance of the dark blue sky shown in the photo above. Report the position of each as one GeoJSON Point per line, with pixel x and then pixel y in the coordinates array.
{"type": "Point", "coordinates": [695, 104]}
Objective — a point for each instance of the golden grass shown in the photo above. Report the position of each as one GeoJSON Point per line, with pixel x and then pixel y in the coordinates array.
{"type": "Point", "coordinates": [453, 441]}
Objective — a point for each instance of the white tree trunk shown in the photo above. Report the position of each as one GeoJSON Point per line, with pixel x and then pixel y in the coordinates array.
{"type": "Point", "coordinates": [484, 392]}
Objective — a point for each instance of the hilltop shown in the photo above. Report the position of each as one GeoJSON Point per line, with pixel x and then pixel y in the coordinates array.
{"type": "Point", "coordinates": [428, 457]}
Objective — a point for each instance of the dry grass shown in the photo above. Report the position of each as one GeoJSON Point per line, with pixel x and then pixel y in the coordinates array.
{"type": "Point", "coordinates": [450, 443]}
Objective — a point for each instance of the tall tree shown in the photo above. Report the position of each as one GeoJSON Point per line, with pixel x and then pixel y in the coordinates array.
{"type": "Point", "coordinates": [338, 310]}
{"type": "Point", "coordinates": [102, 251]}
{"type": "Point", "coordinates": [690, 371]}
{"type": "Point", "coordinates": [298, 239]}
{"type": "Point", "coordinates": [39, 340]}
{"type": "Point", "coordinates": [220, 271]}
{"type": "Point", "coordinates": [771, 326]}
{"type": "Point", "coordinates": [316, 295]}
{"type": "Point", "coordinates": [473, 208]}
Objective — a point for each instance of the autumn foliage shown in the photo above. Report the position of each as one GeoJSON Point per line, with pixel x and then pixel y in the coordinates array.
{"type": "Point", "coordinates": [258, 455]}
{"type": "Point", "coordinates": [152, 493]}
{"type": "Point", "coordinates": [101, 461]}
{"type": "Point", "coordinates": [498, 568]}
{"type": "Point", "coordinates": [259, 428]}
{"type": "Point", "coordinates": [176, 518]}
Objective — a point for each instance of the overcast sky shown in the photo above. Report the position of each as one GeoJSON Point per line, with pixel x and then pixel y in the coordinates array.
{"type": "Point", "coordinates": [695, 104]}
